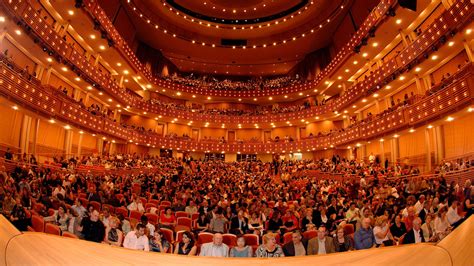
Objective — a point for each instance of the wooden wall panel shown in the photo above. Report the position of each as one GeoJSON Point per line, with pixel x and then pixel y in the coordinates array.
{"type": "Point", "coordinates": [11, 121]}
{"type": "Point", "coordinates": [51, 136]}
{"type": "Point", "coordinates": [458, 136]}
{"type": "Point", "coordinates": [213, 133]}
{"type": "Point", "coordinates": [247, 134]}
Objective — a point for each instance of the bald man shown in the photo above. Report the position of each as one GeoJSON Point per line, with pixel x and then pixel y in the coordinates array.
{"type": "Point", "coordinates": [216, 248]}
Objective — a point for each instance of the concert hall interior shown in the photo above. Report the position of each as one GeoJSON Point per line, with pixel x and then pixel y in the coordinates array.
{"type": "Point", "coordinates": [262, 132]}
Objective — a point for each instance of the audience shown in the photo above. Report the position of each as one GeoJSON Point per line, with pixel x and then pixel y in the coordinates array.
{"type": "Point", "coordinates": [239, 198]}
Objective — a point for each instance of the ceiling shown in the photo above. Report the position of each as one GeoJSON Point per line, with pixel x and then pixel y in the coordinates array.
{"type": "Point", "coordinates": [280, 43]}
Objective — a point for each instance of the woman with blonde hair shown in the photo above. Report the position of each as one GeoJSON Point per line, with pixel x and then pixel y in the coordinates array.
{"type": "Point", "coordinates": [269, 248]}
{"type": "Point", "coordinates": [382, 231]}
{"type": "Point", "coordinates": [113, 235]}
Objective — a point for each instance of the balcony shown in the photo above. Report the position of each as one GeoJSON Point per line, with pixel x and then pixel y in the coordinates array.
{"type": "Point", "coordinates": [448, 21]}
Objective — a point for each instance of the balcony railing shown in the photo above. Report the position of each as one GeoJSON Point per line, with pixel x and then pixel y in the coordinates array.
{"type": "Point", "coordinates": [451, 19]}
{"type": "Point", "coordinates": [374, 18]}
{"type": "Point", "coordinates": [25, 90]}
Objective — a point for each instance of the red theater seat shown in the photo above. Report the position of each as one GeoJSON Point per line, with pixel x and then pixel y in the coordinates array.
{"type": "Point", "coordinates": [52, 229]}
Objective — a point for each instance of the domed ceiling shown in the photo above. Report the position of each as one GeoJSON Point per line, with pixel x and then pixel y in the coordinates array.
{"type": "Point", "coordinates": [244, 37]}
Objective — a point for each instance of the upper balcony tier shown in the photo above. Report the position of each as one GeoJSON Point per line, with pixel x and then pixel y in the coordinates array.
{"type": "Point", "coordinates": [25, 90]}
{"type": "Point", "coordinates": [434, 35]}
{"type": "Point", "coordinates": [372, 21]}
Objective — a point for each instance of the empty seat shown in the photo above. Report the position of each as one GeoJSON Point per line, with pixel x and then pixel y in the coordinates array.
{"type": "Point", "coordinates": [230, 240]}
{"type": "Point", "coordinates": [37, 223]}
{"type": "Point", "coordinates": [204, 237]}
{"type": "Point", "coordinates": [70, 235]}
{"type": "Point", "coordinates": [52, 229]}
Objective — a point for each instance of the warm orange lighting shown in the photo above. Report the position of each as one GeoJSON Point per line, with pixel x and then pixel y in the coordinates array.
{"type": "Point", "coordinates": [92, 36]}
{"type": "Point", "coordinates": [375, 44]}
{"type": "Point", "coordinates": [434, 57]}
{"type": "Point", "coordinates": [18, 32]}
{"type": "Point", "coordinates": [449, 119]}
{"type": "Point", "coordinates": [398, 21]}
{"type": "Point", "coordinates": [102, 47]}
{"type": "Point", "coordinates": [70, 12]}
{"type": "Point", "coordinates": [15, 107]}
{"type": "Point", "coordinates": [49, 59]}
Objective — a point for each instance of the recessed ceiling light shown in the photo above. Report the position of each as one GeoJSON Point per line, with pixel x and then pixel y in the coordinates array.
{"type": "Point", "coordinates": [52, 121]}
{"type": "Point", "coordinates": [67, 127]}
{"type": "Point", "coordinates": [78, 79]}
{"type": "Point", "coordinates": [364, 100]}
{"type": "Point", "coordinates": [102, 47]}
{"type": "Point", "coordinates": [355, 62]}
{"type": "Point", "coordinates": [375, 44]}
{"type": "Point", "coordinates": [347, 70]}
{"type": "Point", "coordinates": [209, 97]}
{"type": "Point", "coordinates": [418, 69]}
{"type": "Point", "coordinates": [468, 31]}
{"type": "Point", "coordinates": [450, 118]}
{"type": "Point", "coordinates": [92, 36]}
{"type": "Point", "coordinates": [64, 69]}
{"type": "Point", "coordinates": [398, 21]}
{"type": "Point", "coordinates": [119, 64]}
{"type": "Point", "coordinates": [2, 19]}
{"type": "Point", "coordinates": [286, 96]}
{"type": "Point", "coordinates": [18, 32]}
{"type": "Point", "coordinates": [434, 57]}
{"type": "Point", "coordinates": [411, 130]}
{"type": "Point", "coordinates": [15, 107]}
{"type": "Point", "coordinates": [70, 12]}
{"type": "Point", "coordinates": [430, 126]}
{"type": "Point", "coordinates": [365, 54]}
{"type": "Point", "coordinates": [451, 43]}
{"type": "Point", "coordinates": [401, 77]}
{"type": "Point", "coordinates": [49, 59]}
{"type": "Point", "coordinates": [125, 72]}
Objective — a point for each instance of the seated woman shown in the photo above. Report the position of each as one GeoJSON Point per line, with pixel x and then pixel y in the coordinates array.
{"type": "Point", "coordinates": [167, 219]}
{"type": "Point", "coordinates": [202, 223]}
{"type": "Point", "coordinates": [18, 216]}
{"type": "Point", "coordinates": [307, 220]}
{"type": "Point", "coordinates": [60, 218]}
{"type": "Point", "coordinates": [186, 245]}
{"type": "Point", "coordinates": [269, 248]}
{"type": "Point", "coordinates": [428, 228]}
{"type": "Point", "coordinates": [398, 228]}
{"type": "Point", "coordinates": [113, 235]}
{"type": "Point", "coordinates": [441, 223]}
{"type": "Point", "coordinates": [343, 242]}
{"type": "Point", "coordinates": [290, 221]}
{"type": "Point", "coordinates": [255, 223]}
{"type": "Point", "coordinates": [382, 232]}
{"type": "Point", "coordinates": [158, 243]}
{"type": "Point", "coordinates": [241, 250]}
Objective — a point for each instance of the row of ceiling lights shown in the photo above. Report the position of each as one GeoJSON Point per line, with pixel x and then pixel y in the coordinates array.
{"type": "Point", "coordinates": [202, 43]}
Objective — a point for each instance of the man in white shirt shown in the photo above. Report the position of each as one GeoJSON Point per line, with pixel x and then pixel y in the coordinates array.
{"type": "Point", "coordinates": [419, 204]}
{"type": "Point", "coordinates": [453, 217]}
{"type": "Point", "coordinates": [415, 235]}
{"type": "Point", "coordinates": [137, 239]}
{"type": "Point", "coordinates": [216, 248]}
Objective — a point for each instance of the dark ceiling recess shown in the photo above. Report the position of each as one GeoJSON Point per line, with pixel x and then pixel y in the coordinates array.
{"type": "Point", "coordinates": [189, 12]}
{"type": "Point", "coordinates": [233, 42]}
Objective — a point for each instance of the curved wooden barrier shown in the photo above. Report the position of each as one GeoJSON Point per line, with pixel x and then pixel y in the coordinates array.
{"type": "Point", "coordinates": [41, 249]}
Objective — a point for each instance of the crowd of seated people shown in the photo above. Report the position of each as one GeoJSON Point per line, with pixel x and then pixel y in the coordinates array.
{"type": "Point", "coordinates": [293, 214]}
{"type": "Point", "coordinates": [209, 82]}
{"type": "Point", "coordinates": [259, 110]}
{"type": "Point", "coordinates": [446, 79]}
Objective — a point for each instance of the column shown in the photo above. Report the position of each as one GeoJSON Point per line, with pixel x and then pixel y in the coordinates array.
{"type": "Point", "coordinates": [363, 149]}
{"type": "Point", "coordinates": [377, 105]}
{"type": "Point", "coordinates": [419, 86]}
{"type": "Point", "coordinates": [86, 99]}
{"type": "Point", "coordinates": [404, 38]}
{"type": "Point", "coordinates": [165, 130]}
{"type": "Point", "coordinates": [468, 51]}
{"type": "Point", "coordinates": [67, 143]}
{"type": "Point", "coordinates": [298, 134]}
{"type": "Point", "coordinates": [96, 62]}
{"type": "Point", "coordinates": [121, 81]}
{"type": "Point", "coordinates": [112, 148]}
{"type": "Point", "coordinates": [35, 136]}
{"type": "Point", "coordinates": [100, 145]}
{"type": "Point", "coordinates": [427, 150]}
{"type": "Point", "coordinates": [79, 144]}
{"type": "Point", "coordinates": [47, 75]}
{"type": "Point", "coordinates": [382, 151]}
{"type": "Point", "coordinates": [439, 143]}
{"type": "Point", "coordinates": [25, 134]}
{"type": "Point", "coordinates": [395, 149]}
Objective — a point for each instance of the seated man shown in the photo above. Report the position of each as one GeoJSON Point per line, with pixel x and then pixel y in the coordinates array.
{"type": "Point", "coordinates": [297, 247]}
{"type": "Point", "coordinates": [321, 244]}
{"type": "Point", "coordinates": [415, 235]}
{"type": "Point", "coordinates": [239, 224]}
{"type": "Point", "coordinates": [92, 228]}
{"type": "Point", "coordinates": [364, 237]}
{"type": "Point", "coordinates": [137, 239]}
{"type": "Point", "coordinates": [215, 248]}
